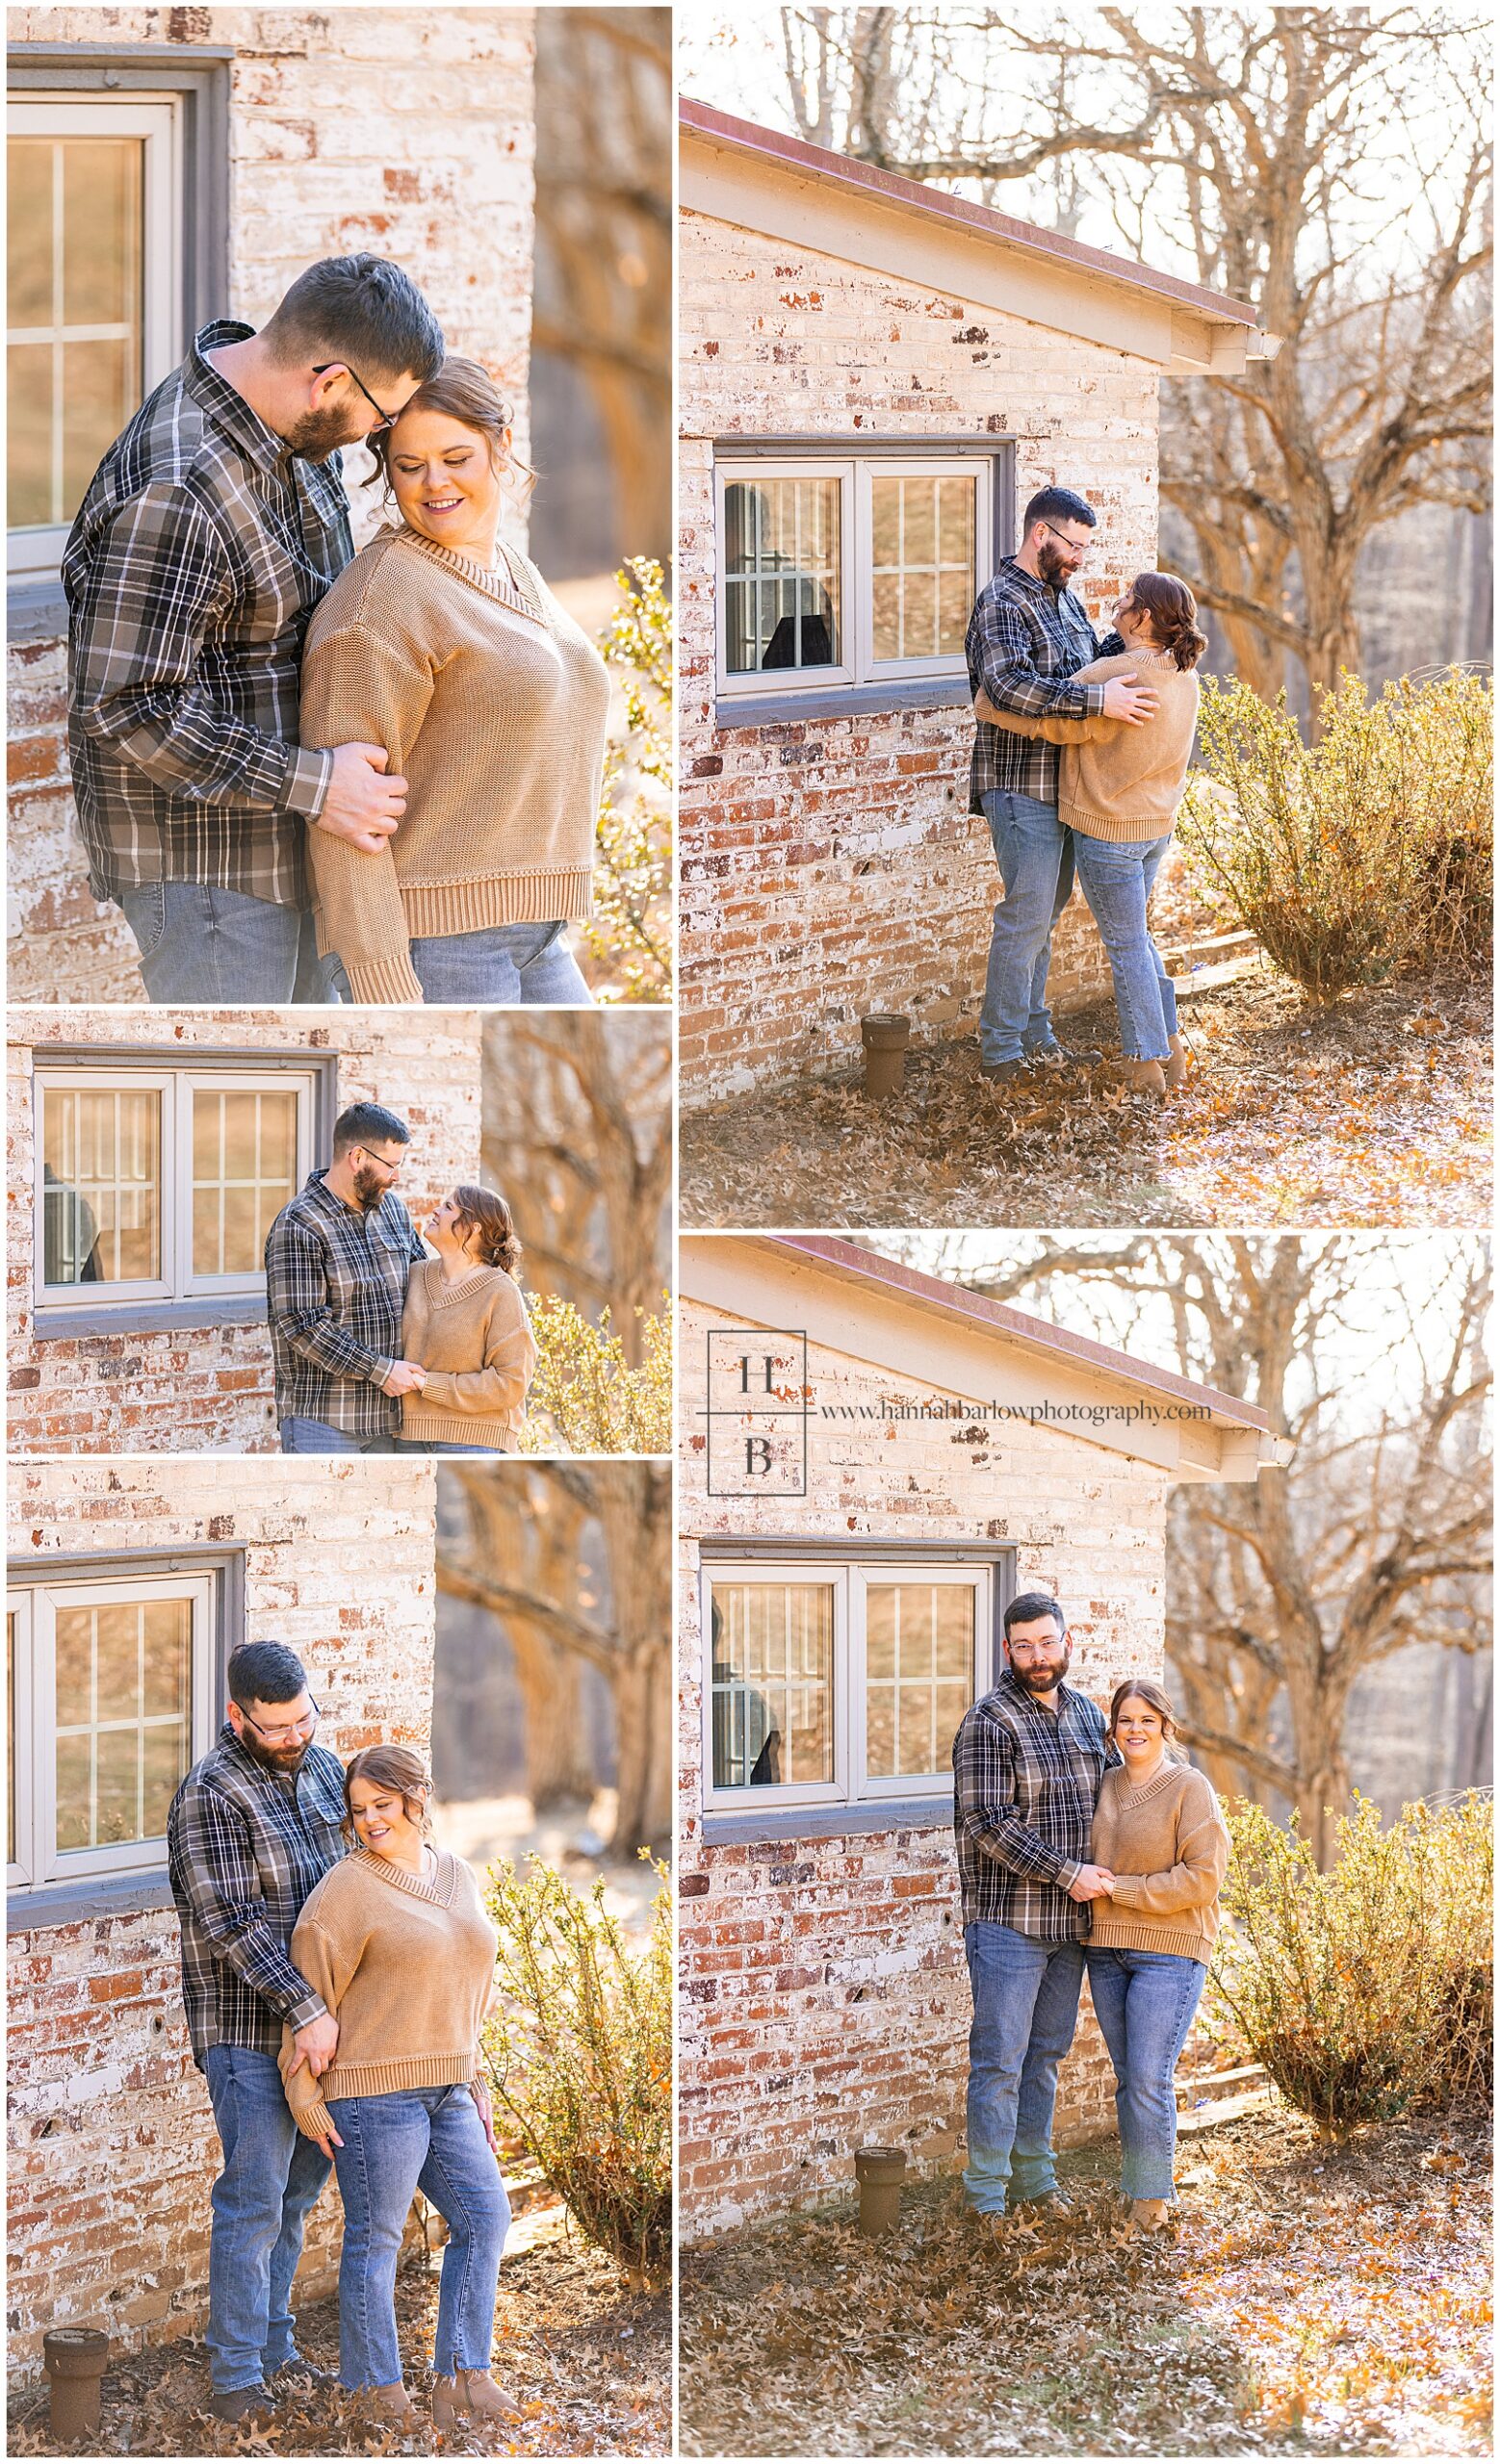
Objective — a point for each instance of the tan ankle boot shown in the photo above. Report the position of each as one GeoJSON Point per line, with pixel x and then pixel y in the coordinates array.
{"type": "Point", "coordinates": [468, 2391]}
{"type": "Point", "coordinates": [1175, 1069]}
{"type": "Point", "coordinates": [387, 2403]}
{"type": "Point", "coordinates": [1145, 1077]}
{"type": "Point", "coordinates": [1150, 2215]}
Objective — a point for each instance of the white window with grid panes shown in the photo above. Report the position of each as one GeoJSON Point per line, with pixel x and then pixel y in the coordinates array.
{"type": "Point", "coordinates": [837, 1684]}
{"type": "Point", "coordinates": [161, 1185]}
{"type": "Point", "coordinates": [851, 572]}
{"type": "Point", "coordinates": [93, 294]}
{"type": "Point", "coordinates": [111, 1701]}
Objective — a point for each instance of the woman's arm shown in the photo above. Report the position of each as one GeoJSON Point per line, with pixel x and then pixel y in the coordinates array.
{"type": "Point", "coordinates": [357, 687]}
{"type": "Point", "coordinates": [499, 1389]}
{"type": "Point", "coordinates": [329, 1960]}
{"type": "Point", "coordinates": [1047, 731]}
{"type": "Point", "coordinates": [1197, 1877]}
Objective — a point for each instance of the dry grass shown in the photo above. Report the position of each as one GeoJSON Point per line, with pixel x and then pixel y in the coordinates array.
{"type": "Point", "coordinates": [1313, 2299]}
{"type": "Point", "coordinates": [587, 2366]}
{"type": "Point", "coordinates": [1374, 1110]}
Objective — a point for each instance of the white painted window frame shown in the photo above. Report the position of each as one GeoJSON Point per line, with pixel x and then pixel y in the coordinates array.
{"type": "Point", "coordinates": [175, 1088]}
{"type": "Point", "coordinates": [33, 1774]}
{"type": "Point", "coordinates": [33, 552]}
{"type": "Point", "coordinates": [782, 680]}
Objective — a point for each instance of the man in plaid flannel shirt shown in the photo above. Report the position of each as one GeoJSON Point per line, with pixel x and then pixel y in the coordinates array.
{"type": "Point", "coordinates": [1027, 637]}
{"type": "Point", "coordinates": [255, 1826]}
{"type": "Point", "coordinates": [338, 1258]}
{"type": "Point", "coordinates": [1027, 1762]}
{"type": "Point", "coordinates": [206, 537]}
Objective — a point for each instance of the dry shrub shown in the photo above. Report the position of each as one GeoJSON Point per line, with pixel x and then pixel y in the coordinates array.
{"type": "Point", "coordinates": [630, 927]}
{"type": "Point", "coordinates": [1367, 1991]}
{"type": "Point", "coordinates": [580, 2056]}
{"type": "Point", "coordinates": [585, 1395]}
{"type": "Point", "coordinates": [1366, 855]}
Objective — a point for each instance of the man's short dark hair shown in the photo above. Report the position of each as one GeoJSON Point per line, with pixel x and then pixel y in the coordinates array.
{"type": "Point", "coordinates": [265, 1672]}
{"type": "Point", "coordinates": [1029, 1606]}
{"type": "Point", "coordinates": [363, 310]}
{"type": "Point", "coordinates": [1058, 504]}
{"type": "Point", "coordinates": [363, 1124]}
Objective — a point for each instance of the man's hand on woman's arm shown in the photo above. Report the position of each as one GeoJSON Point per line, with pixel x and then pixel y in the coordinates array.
{"type": "Point", "coordinates": [1126, 699]}
{"type": "Point", "coordinates": [316, 2044]}
{"type": "Point", "coordinates": [1091, 1882]}
{"type": "Point", "coordinates": [363, 804]}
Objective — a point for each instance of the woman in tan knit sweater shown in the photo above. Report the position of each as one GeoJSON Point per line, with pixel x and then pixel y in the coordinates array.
{"type": "Point", "coordinates": [466, 1325]}
{"type": "Point", "coordinates": [1159, 1835]}
{"type": "Point", "coordinates": [444, 644]}
{"type": "Point", "coordinates": [1119, 790]}
{"type": "Point", "coordinates": [397, 1941]}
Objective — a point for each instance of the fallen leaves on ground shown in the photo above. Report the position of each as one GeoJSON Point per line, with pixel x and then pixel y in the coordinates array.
{"type": "Point", "coordinates": [1373, 1111]}
{"type": "Point", "coordinates": [586, 2365]}
{"type": "Point", "coordinates": [1311, 2299]}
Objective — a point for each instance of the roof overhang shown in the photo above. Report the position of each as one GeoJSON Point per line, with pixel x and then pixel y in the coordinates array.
{"type": "Point", "coordinates": [940, 1335]}
{"type": "Point", "coordinates": [734, 171]}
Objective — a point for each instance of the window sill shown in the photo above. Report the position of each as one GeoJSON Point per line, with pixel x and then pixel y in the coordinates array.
{"type": "Point", "coordinates": [146, 1317]}
{"type": "Point", "coordinates": [841, 702]}
{"type": "Point", "coordinates": [75, 1903]}
{"type": "Point", "coordinates": [36, 611]}
{"type": "Point", "coordinates": [826, 1822]}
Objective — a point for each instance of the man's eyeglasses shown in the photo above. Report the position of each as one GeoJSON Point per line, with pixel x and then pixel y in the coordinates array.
{"type": "Point", "coordinates": [388, 419]}
{"type": "Point", "coordinates": [1080, 546]}
{"type": "Point", "coordinates": [300, 1729]}
{"type": "Point", "coordinates": [370, 1157]}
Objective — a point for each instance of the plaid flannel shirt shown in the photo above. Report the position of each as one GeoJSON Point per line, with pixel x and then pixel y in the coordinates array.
{"type": "Point", "coordinates": [199, 554]}
{"type": "Point", "coordinates": [1025, 1781]}
{"type": "Point", "coordinates": [244, 1846]}
{"type": "Point", "coordinates": [1024, 640]}
{"type": "Point", "coordinates": [336, 1290]}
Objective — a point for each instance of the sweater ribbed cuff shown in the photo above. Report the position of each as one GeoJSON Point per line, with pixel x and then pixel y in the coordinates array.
{"type": "Point", "coordinates": [383, 979]}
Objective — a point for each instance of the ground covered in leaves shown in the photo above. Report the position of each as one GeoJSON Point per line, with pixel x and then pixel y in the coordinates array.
{"type": "Point", "coordinates": [1311, 2300]}
{"type": "Point", "coordinates": [1374, 1110]}
{"type": "Point", "coordinates": [586, 2365]}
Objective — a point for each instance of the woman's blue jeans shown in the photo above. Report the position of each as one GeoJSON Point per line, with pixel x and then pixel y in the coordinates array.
{"type": "Point", "coordinates": [430, 2139]}
{"type": "Point", "coordinates": [1117, 883]}
{"type": "Point", "coordinates": [1144, 2002]}
{"type": "Point", "coordinates": [505, 964]}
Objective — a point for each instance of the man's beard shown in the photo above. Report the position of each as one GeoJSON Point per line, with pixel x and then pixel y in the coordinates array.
{"type": "Point", "coordinates": [367, 1190]}
{"type": "Point", "coordinates": [320, 433]}
{"type": "Point", "coordinates": [283, 1760]}
{"type": "Point", "coordinates": [1042, 1680]}
{"type": "Point", "coordinates": [1051, 567]}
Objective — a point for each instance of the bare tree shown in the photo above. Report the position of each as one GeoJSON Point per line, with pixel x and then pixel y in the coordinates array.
{"type": "Point", "coordinates": [524, 1557]}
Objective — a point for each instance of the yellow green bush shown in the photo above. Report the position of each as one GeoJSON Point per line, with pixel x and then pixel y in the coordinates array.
{"type": "Point", "coordinates": [1366, 1991]}
{"type": "Point", "coordinates": [630, 929]}
{"type": "Point", "coordinates": [587, 1395]}
{"type": "Point", "coordinates": [579, 2054]}
{"type": "Point", "coordinates": [1366, 853]}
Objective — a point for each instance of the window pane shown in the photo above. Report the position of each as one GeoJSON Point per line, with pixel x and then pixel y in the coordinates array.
{"type": "Point", "coordinates": [922, 565]}
{"type": "Point", "coordinates": [10, 1765]}
{"type": "Point", "coordinates": [29, 232]}
{"type": "Point", "coordinates": [772, 1684]}
{"type": "Point", "coordinates": [102, 230]}
{"type": "Point", "coordinates": [125, 1676]}
{"type": "Point", "coordinates": [100, 389]}
{"type": "Point", "coordinates": [76, 291]}
{"type": "Point", "coordinates": [29, 451]}
{"type": "Point", "coordinates": [781, 574]}
{"type": "Point", "coordinates": [101, 1185]}
{"type": "Point", "coordinates": [919, 1658]}
{"type": "Point", "coordinates": [244, 1173]}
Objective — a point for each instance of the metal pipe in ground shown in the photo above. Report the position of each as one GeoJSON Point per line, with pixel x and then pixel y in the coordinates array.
{"type": "Point", "coordinates": [74, 2360]}
{"type": "Point", "coordinates": [879, 2172]}
{"type": "Point", "coordinates": [885, 1035]}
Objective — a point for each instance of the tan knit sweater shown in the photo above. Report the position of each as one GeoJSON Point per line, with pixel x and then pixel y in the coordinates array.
{"type": "Point", "coordinates": [1167, 1847]}
{"type": "Point", "coordinates": [491, 702]}
{"type": "Point", "coordinates": [406, 1967]}
{"type": "Point", "coordinates": [1117, 782]}
{"type": "Point", "coordinates": [475, 1344]}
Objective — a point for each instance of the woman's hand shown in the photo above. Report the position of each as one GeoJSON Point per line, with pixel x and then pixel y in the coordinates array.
{"type": "Point", "coordinates": [329, 2143]}
{"type": "Point", "coordinates": [480, 2093]}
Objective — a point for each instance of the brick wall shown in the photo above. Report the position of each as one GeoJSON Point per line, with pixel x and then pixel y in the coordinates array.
{"type": "Point", "coordinates": [824, 1996]}
{"type": "Point", "coordinates": [112, 2147]}
{"type": "Point", "coordinates": [211, 1387]}
{"type": "Point", "coordinates": [830, 867]}
{"type": "Point", "coordinates": [406, 133]}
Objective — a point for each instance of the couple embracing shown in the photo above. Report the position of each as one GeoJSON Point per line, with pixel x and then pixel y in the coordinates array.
{"type": "Point", "coordinates": [1078, 766]}
{"type": "Point", "coordinates": [307, 775]}
{"type": "Point", "coordinates": [1081, 1843]}
{"type": "Point", "coordinates": [337, 1969]}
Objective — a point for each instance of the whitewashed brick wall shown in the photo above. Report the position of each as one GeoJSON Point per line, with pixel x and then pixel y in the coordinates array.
{"type": "Point", "coordinates": [111, 2146]}
{"type": "Point", "coordinates": [824, 2000]}
{"type": "Point", "coordinates": [211, 1387]}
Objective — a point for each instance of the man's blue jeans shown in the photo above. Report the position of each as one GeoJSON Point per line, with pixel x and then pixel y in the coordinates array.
{"type": "Point", "coordinates": [1116, 879]}
{"type": "Point", "coordinates": [416, 2139]}
{"type": "Point", "coordinates": [299, 1435]}
{"type": "Point", "coordinates": [272, 2177]}
{"type": "Point", "coordinates": [1035, 854]}
{"type": "Point", "coordinates": [1144, 2002]}
{"type": "Point", "coordinates": [505, 964]}
{"type": "Point", "coordinates": [202, 944]}
{"type": "Point", "coordinates": [1026, 2011]}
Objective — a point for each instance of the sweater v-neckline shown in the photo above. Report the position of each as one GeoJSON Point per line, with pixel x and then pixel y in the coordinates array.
{"type": "Point", "coordinates": [508, 582]}
{"type": "Point", "coordinates": [1164, 1770]}
{"type": "Point", "coordinates": [442, 1294]}
{"type": "Point", "coordinates": [439, 1890]}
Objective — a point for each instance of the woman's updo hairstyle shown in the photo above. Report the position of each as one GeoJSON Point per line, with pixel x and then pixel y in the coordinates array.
{"type": "Point", "coordinates": [1173, 613]}
{"type": "Point", "coordinates": [399, 1769]}
{"type": "Point", "coordinates": [462, 390]}
{"type": "Point", "coordinates": [1142, 1690]}
{"type": "Point", "coordinates": [486, 1229]}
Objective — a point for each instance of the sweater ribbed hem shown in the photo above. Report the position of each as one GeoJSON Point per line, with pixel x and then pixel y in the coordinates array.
{"type": "Point", "coordinates": [1118, 1933]}
{"type": "Point", "coordinates": [436, 908]}
{"type": "Point", "coordinates": [459, 1428]}
{"type": "Point", "coordinates": [381, 2079]}
{"type": "Point", "coordinates": [383, 980]}
{"type": "Point", "coordinates": [1120, 829]}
